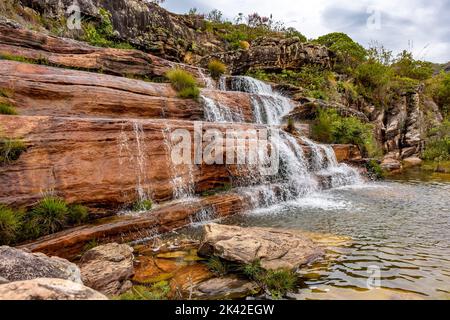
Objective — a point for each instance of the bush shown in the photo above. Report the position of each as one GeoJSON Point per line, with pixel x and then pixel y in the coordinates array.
{"type": "Point", "coordinates": [279, 282]}
{"type": "Point", "coordinates": [406, 66]}
{"type": "Point", "coordinates": [143, 205]}
{"type": "Point", "coordinates": [77, 214]}
{"type": "Point", "coordinates": [158, 291]}
{"type": "Point", "coordinates": [7, 109]}
{"type": "Point", "coordinates": [373, 79]}
{"type": "Point", "coordinates": [184, 82]}
{"type": "Point", "coordinates": [10, 150]}
{"type": "Point", "coordinates": [374, 170]}
{"type": "Point", "coordinates": [48, 216]}
{"type": "Point", "coordinates": [216, 68]}
{"type": "Point", "coordinates": [329, 127]}
{"type": "Point", "coordinates": [439, 89]}
{"type": "Point", "coordinates": [10, 223]}
{"type": "Point", "coordinates": [437, 147]}
{"type": "Point", "coordinates": [244, 45]}
{"type": "Point", "coordinates": [217, 266]}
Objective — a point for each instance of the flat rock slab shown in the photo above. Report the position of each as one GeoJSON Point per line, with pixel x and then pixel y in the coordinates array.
{"type": "Point", "coordinates": [274, 248]}
{"type": "Point", "coordinates": [108, 268]}
{"type": "Point", "coordinates": [18, 265]}
{"type": "Point", "coordinates": [48, 289]}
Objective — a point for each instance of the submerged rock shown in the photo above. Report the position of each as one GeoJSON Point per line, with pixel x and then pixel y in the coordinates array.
{"type": "Point", "coordinates": [108, 268]}
{"type": "Point", "coordinates": [225, 288]}
{"type": "Point", "coordinates": [17, 265]}
{"type": "Point", "coordinates": [412, 162]}
{"type": "Point", "coordinates": [48, 289]}
{"type": "Point", "coordinates": [273, 247]}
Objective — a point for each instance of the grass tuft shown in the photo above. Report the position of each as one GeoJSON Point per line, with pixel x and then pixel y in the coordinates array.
{"type": "Point", "coordinates": [216, 68]}
{"type": "Point", "coordinates": [184, 82]}
{"type": "Point", "coordinates": [7, 109]}
{"type": "Point", "coordinates": [10, 150]}
{"type": "Point", "coordinates": [143, 205]}
{"type": "Point", "coordinates": [10, 222]}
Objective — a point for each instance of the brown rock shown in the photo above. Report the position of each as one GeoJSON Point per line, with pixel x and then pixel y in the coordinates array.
{"type": "Point", "coordinates": [391, 164]}
{"type": "Point", "coordinates": [48, 289]}
{"type": "Point", "coordinates": [18, 265]}
{"type": "Point", "coordinates": [225, 288]}
{"type": "Point", "coordinates": [108, 268]}
{"type": "Point", "coordinates": [412, 162]}
{"type": "Point", "coordinates": [274, 248]}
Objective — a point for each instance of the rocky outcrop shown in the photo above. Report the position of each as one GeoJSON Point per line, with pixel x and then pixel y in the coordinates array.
{"type": "Point", "coordinates": [42, 90]}
{"type": "Point", "coordinates": [108, 268]}
{"type": "Point", "coordinates": [274, 248]}
{"type": "Point", "coordinates": [273, 55]}
{"type": "Point", "coordinates": [48, 289]}
{"type": "Point", "coordinates": [18, 265]}
{"type": "Point", "coordinates": [68, 53]}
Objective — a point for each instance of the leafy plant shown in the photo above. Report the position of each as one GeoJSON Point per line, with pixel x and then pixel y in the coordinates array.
{"type": "Point", "coordinates": [10, 150]}
{"type": "Point", "coordinates": [48, 216]}
{"type": "Point", "coordinates": [437, 146]}
{"type": "Point", "coordinates": [184, 82]}
{"type": "Point", "coordinates": [10, 223]}
{"type": "Point", "coordinates": [217, 266]}
{"type": "Point", "coordinates": [77, 214]}
{"type": "Point", "coordinates": [374, 170]}
{"type": "Point", "coordinates": [216, 68]}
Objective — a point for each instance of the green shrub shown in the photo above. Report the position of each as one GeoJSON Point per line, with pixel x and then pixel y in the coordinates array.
{"type": "Point", "coordinates": [329, 127]}
{"type": "Point", "coordinates": [48, 216]}
{"type": "Point", "coordinates": [253, 270]}
{"type": "Point", "coordinates": [373, 79]}
{"type": "Point", "coordinates": [216, 68]}
{"type": "Point", "coordinates": [143, 205]}
{"type": "Point", "coordinates": [279, 282]}
{"type": "Point", "coordinates": [374, 170]}
{"type": "Point", "coordinates": [10, 223]}
{"type": "Point", "coordinates": [437, 147]}
{"type": "Point", "coordinates": [158, 291]}
{"type": "Point", "coordinates": [406, 66]}
{"type": "Point", "coordinates": [439, 89]}
{"type": "Point", "coordinates": [7, 109]}
{"type": "Point", "coordinates": [217, 266]}
{"type": "Point", "coordinates": [77, 214]}
{"type": "Point", "coordinates": [10, 150]}
{"type": "Point", "coordinates": [184, 82]}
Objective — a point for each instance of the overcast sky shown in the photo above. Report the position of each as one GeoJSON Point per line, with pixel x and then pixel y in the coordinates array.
{"type": "Point", "coordinates": [422, 26]}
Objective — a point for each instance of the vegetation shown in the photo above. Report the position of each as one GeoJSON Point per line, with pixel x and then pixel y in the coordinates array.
{"type": "Point", "coordinates": [142, 205]}
{"type": "Point", "coordinates": [77, 214]}
{"type": "Point", "coordinates": [10, 222]}
{"type": "Point", "coordinates": [374, 170]}
{"type": "Point", "coordinates": [158, 291]}
{"type": "Point", "coordinates": [7, 108]}
{"type": "Point", "coordinates": [10, 150]}
{"type": "Point", "coordinates": [438, 143]}
{"type": "Point", "coordinates": [48, 216]}
{"type": "Point", "coordinates": [184, 82]}
{"type": "Point", "coordinates": [330, 127]}
{"type": "Point", "coordinates": [217, 266]}
{"type": "Point", "coordinates": [216, 68]}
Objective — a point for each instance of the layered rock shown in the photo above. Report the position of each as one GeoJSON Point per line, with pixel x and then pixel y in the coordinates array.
{"type": "Point", "coordinates": [48, 289]}
{"type": "Point", "coordinates": [18, 265]}
{"type": "Point", "coordinates": [41, 90]}
{"type": "Point", "coordinates": [108, 268]}
{"type": "Point", "coordinates": [225, 288]}
{"type": "Point", "coordinates": [69, 243]}
{"type": "Point", "coordinates": [273, 55]}
{"type": "Point", "coordinates": [274, 248]}
{"type": "Point", "coordinates": [68, 53]}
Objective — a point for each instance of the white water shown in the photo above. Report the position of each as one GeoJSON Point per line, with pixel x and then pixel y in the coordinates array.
{"type": "Point", "coordinates": [217, 112]}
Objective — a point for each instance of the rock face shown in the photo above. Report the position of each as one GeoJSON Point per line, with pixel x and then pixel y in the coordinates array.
{"type": "Point", "coordinates": [41, 90]}
{"type": "Point", "coordinates": [273, 55]}
{"type": "Point", "coordinates": [274, 248]}
{"type": "Point", "coordinates": [18, 265]}
{"type": "Point", "coordinates": [48, 289]}
{"type": "Point", "coordinates": [108, 268]}
{"type": "Point", "coordinates": [69, 53]}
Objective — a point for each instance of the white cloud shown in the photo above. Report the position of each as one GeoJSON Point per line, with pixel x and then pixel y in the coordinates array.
{"type": "Point", "coordinates": [424, 24]}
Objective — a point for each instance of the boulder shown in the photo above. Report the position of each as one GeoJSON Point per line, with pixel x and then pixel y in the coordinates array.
{"type": "Point", "coordinates": [108, 268]}
{"type": "Point", "coordinates": [18, 265]}
{"type": "Point", "coordinates": [412, 162]}
{"type": "Point", "coordinates": [48, 289]}
{"type": "Point", "coordinates": [274, 248]}
{"type": "Point", "coordinates": [225, 288]}
{"type": "Point", "coordinates": [390, 163]}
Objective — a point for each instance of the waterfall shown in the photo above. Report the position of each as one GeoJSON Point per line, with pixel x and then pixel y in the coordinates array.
{"type": "Point", "coordinates": [183, 185]}
{"type": "Point", "coordinates": [217, 112]}
{"type": "Point", "coordinates": [209, 83]}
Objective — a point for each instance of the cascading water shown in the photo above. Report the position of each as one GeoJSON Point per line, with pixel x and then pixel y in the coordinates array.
{"type": "Point", "coordinates": [297, 176]}
{"type": "Point", "coordinates": [216, 112]}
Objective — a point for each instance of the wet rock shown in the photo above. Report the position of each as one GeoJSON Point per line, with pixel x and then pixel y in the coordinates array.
{"type": "Point", "coordinates": [108, 268]}
{"type": "Point", "coordinates": [48, 289]}
{"type": "Point", "coordinates": [3, 280]}
{"type": "Point", "coordinates": [273, 247]}
{"type": "Point", "coordinates": [225, 288]}
{"type": "Point", "coordinates": [412, 162]}
{"type": "Point", "coordinates": [187, 278]}
{"type": "Point", "coordinates": [17, 265]}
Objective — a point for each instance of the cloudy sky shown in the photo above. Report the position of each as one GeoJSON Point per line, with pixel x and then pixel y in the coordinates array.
{"type": "Point", "coordinates": [421, 26]}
